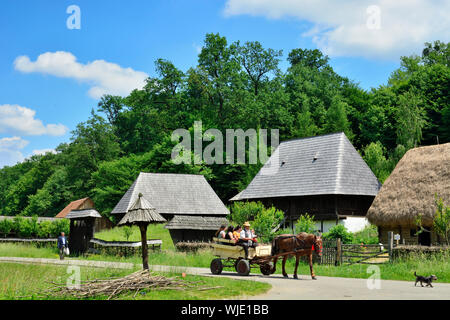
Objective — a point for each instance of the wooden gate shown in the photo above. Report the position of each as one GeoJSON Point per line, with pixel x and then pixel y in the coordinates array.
{"type": "Point", "coordinates": [329, 252]}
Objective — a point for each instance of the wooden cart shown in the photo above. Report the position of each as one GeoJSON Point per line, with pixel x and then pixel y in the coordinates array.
{"type": "Point", "coordinates": [231, 255]}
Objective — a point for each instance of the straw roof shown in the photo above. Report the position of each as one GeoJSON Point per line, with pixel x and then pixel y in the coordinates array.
{"type": "Point", "coordinates": [141, 211]}
{"type": "Point", "coordinates": [410, 189]}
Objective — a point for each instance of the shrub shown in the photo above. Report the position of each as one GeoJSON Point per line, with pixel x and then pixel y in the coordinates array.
{"type": "Point", "coordinates": [26, 228]}
{"type": "Point", "coordinates": [127, 232]}
{"type": "Point", "coordinates": [305, 224]}
{"type": "Point", "coordinates": [245, 211]}
{"type": "Point", "coordinates": [17, 221]}
{"type": "Point", "coordinates": [58, 226]}
{"type": "Point", "coordinates": [369, 235]}
{"type": "Point", "coordinates": [265, 221]}
{"type": "Point", "coordinates": [44, 229]}
{"type": "Point", "coordinates": [441, 221]}
{"type": "Point", "coordinates": [6, 226]}
{"type": "Point", "coordinates": [339, 231]}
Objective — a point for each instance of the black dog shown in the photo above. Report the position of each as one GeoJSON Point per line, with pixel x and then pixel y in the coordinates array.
{"type": "Point", "coordinates": [427, 280]}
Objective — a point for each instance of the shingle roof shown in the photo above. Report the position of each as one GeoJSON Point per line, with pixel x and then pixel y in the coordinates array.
{"type": "Point", "coordinates": [196, 223]}
{"type": "Point", "coordinates": [327, 164]}
{"type": "Point", "coordinates": [75, 214]}
{"type": "Point", "coordinates": [74, 205]}
{"type": "Point", "coordinates": [174, 194]}
{"type": "Point", "coordinates": [141, 211]}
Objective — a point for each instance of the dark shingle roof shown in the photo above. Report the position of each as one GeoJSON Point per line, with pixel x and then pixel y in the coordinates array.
{"type": "Point", "coordinates": [76, 214]}
{"type": "Point", "coordinates": [141, 211]}
{"type": "Point", "coordinates": [327, 164]}
{"type": "Point", "coordinates": [174, 194]}
{"type": "Point", "coordinates": [196, 223]}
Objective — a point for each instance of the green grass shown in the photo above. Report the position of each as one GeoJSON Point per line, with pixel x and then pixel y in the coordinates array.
{"type": "Point", "coordinates": [402, 269]}
{"type": "Point", "coordinates": [23, 281]}
{"type": "Point", "coordinates": [154, 231]}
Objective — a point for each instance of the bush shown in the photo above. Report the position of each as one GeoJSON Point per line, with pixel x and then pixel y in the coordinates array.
{"type": "Point", "coordinates": [17, 221]}
{"type": "Point", "coordinates": [44, 229]}
{"type": "Point", "coordinates": [267, 220]}
{"type": "Point", "coordinates": [58, 226]}
{"type": "Point", "coordinates": [6, 226]}
{"type": "Point", "coordinates": [305, 224]}
{"type": "Point", "coordinates": [127, 232]}
{"type": "Point", "coordinates": [245, 211]}
{"type": "Point", "coordinates": [369, 235]}
{"type": "Point", "coordinates": [26, 228]}
{"type": "Point", "coordinates": [339, 231]}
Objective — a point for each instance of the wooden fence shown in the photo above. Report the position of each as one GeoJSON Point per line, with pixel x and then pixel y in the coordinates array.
{"type": "Point", "coordinates": [335, 253]}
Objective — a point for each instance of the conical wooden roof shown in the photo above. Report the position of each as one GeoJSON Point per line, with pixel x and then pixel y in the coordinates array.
{"type": "Point", "coordinates": [141, 211]}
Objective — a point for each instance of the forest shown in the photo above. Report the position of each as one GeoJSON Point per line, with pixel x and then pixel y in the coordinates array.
{"type": "Point", "coordinates": [233, 86]}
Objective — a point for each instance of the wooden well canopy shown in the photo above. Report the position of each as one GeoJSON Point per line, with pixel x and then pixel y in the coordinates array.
{"type": "Point", "coordinates": [142, 213]}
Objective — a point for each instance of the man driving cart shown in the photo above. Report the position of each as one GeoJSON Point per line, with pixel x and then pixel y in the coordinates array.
{"type": "Point", "coordinates": [247, 238]}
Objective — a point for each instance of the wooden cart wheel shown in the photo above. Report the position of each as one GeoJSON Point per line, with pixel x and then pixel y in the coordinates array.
{"type": "Point", "coordinates": [216, 266]}
{"type": "Point", "coordinates": [243, 267]}
{"type": "Point", "coordinates": [266, 268]}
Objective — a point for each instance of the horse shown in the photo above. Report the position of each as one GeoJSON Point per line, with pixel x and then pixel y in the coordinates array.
{"type": "Point", "coordinates": [301, 244]}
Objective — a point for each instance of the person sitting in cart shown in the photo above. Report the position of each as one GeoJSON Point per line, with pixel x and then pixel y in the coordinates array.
{"type": "Point", "coordinates": [237, 232]}
{"type": "Point", "coordinates": [247, 238]}
{"type": "Point", "coordinates": [229, 234]}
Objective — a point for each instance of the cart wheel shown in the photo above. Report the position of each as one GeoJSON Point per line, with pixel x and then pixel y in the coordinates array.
{"type": "Point", "coordinates": [243, 267]}
{"type": "Point", "coordinates": [236, 264]}
{"type": "Point", "coordinates": [266, 268]}
{"type": "Point", "coordinates": [216, 266]}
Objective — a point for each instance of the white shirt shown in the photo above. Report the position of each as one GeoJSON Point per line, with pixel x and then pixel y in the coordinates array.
{"type": "Point", "coordinates": [222, 234]}
{"type": "Point", "coordinates": [249, 233]}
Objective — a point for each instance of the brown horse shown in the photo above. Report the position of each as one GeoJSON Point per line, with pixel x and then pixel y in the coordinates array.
{"type": "Point", "coordinates": [300, 245]}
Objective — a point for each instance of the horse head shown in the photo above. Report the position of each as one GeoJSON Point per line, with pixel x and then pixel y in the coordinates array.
{"type": "Point", "coordinates": [318, 245]}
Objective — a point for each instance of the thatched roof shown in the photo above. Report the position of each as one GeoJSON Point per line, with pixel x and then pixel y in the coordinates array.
{"type": "Point", "coordinates": [172, 193]}
{"type": "Point", "coordinates": [86, 213]}
{"type": "Point", "coordinates": [141, 211]}
{"type": "Point", "coordinates": [410, 189]}
{"type": "Point", "coordinates": [196, 223]}
{"type": "Point", "coordinates": [322, 165]}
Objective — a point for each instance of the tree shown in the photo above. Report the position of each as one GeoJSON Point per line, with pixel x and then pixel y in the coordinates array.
{"type": "Point", "coordinates": [309, 58]}
{"type": "Point", "coordinates": [375, 159]}
{"type": "Point", "coordinates": [336, 119]}
{"type": "Point", "coordinates": [410, 120]}
{"type": "Point", "coordinates": [257, 61]}
{"type": "Point", "coordinates": [441, 222]}
{"type": "Point", "coordinates": [305, 224]}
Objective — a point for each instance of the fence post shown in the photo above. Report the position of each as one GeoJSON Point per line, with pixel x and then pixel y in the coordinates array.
{"type": "Point", "coordinates": [338, 252]}
{"type": "Point", "coordinates": [390, 244]}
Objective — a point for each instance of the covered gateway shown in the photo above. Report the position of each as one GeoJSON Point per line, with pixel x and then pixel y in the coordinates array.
{"type": "Point", "coordinates": [187, 201]}
{"type": "Point", "coordinates": [323, 176]}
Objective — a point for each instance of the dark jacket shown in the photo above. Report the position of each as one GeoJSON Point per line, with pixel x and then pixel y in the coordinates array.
{"type": "Point", "coordinates": [60, 242]}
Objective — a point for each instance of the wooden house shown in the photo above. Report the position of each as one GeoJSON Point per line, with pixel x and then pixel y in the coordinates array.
{"type": "Point", "coordinates": [101, 223]}
{"type": "Point", "coordinates": [187, 201]}
{"type": "Point", "coordinates": [323, 176]}
{"type": "Point", "coordinates": [410, 191]}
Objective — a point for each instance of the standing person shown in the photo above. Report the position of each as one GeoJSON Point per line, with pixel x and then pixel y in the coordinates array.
{"type": "Point", "coordinates": [62, 245]}
{"type": "Point", "coordinates": [247, 238]}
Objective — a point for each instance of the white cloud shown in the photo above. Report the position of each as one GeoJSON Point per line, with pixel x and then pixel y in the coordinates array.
{"type": "Point", "coordinates": [10, 151]}
{"type": "Point", "coordinates": [43, 151]}
{"type": "Point", "coordinates": [104, 77]}
{"type": "Point", "coordinates": [21, 120]}
{"type": "Point", "coordinates": [343, 28]}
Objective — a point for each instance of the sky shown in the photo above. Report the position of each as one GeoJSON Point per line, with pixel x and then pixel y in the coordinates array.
{"type": "Point", "coordinates": [58, 58]}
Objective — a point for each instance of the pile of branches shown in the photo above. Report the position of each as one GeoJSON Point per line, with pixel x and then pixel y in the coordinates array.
{"type": "Point", "coordinates": [113, 287]}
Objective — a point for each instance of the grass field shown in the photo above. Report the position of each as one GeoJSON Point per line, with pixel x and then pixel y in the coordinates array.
{"type": "Point", "coordinates": [23, 281]}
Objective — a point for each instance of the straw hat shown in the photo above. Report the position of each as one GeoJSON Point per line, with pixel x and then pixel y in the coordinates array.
{"type": "Point", "coordinates": [246, 224]}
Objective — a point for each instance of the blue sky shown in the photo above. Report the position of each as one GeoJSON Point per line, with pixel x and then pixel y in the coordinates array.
{"type": "Point", "coordinates": [42, 100]}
